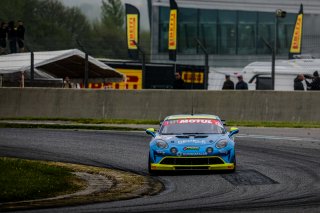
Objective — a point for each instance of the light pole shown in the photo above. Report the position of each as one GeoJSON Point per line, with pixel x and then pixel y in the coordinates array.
{"type": "Point", "coordinates": [86, 64]}
{"type": "Point", "coordinates": [32, 68]}
{"type": "Point", "coordinates": [279, 14]}
{"type": "Point", "coordinates": [206, 65]}
{"type": "Point", "coordinates": [143, 63]}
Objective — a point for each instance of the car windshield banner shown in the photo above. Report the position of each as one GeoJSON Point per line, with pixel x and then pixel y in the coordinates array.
{"type": "Point", "coordinates": [192, 121]}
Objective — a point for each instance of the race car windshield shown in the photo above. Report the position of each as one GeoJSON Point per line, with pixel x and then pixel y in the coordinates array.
{"type": "Point", "coordinates": [192, 126]}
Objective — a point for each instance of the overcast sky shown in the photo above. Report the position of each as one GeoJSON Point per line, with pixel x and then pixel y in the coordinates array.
{"type": "Point", "coordinates": [92, 10]}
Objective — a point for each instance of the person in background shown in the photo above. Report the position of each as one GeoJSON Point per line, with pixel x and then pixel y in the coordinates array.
{"type": "Point", "coordinates": [298, 85]}
{"type": "Point", "coordinates": [67, 83]}
{"type": "Point", "coordinates": [12, 37]}
{"type": "Point", "coordinates": [178, 83]}
{"type": "Point", "coordinates": [20, 36]}
{"type": "Point", "coordinates": [241, 85]}
{"type": "Point", "coordinates": [3, 38]}
{"type": "Point", "coordinates": [228, 84]}
{"type": "Point", "coordinates": [315, 84]}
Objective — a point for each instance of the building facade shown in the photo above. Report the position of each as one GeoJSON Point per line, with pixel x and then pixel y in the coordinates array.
{"type": "Point", "coordinates": [234, 32]}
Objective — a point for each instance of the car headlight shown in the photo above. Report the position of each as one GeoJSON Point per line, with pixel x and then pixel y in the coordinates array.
{"type": "Point", "coordinates": [161, 144]}
{"type": "Point", "coordinates": [221, 144]}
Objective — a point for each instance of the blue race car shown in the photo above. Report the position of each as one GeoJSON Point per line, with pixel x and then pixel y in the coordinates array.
{"type": "Point", "coordinates": [192, 142]}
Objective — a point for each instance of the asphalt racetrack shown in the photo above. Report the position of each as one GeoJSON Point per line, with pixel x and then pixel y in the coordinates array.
{"type": "Point", "coordinates": [278, 170]}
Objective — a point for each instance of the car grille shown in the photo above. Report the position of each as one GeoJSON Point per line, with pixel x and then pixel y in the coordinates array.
{"type": "Point", "coordinates": [191, 161]}
{"type": "Point", "coordinates": [191, 168]}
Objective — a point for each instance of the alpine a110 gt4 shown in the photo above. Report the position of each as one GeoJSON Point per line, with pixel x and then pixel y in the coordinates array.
{"type": "Point", "coordinates": [192, 142]}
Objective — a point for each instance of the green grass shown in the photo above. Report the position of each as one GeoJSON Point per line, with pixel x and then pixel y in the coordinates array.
{"type": "Point", "coordinates": [68, 126]}
{"type": "Point", "coordinates": [88, 120]}
{"type": "Point", "coordinates": [116, 121]}
{"type": "Point", "coordinates": [279, 124]}
{"type": "Point", "coordinates": [27, 180]}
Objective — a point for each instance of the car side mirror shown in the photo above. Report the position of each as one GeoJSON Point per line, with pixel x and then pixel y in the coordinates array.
{"type": "Point", "coordinates": [233, 131]}
{"type": "Point", "coordinates": [151, 131]}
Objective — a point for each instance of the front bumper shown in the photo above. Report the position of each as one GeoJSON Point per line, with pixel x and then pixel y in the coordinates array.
{"type": "Point", "coordinates": [160, 167]}
{"type": "Point", "coordinates": [181, 165]}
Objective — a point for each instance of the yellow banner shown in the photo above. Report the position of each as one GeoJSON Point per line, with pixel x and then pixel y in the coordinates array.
{"type": "Point", "coordinates": [297, 36]}
{"type": "Point", "coordinates": [192, 77]}
{"type": "Point", "coordinates": [172, 37]}
{"type": "Point", "coordinates": [133, 81]}
{"type": "Point", "coordinates": [132, 30]}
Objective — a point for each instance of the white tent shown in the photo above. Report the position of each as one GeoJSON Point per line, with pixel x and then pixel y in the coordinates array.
{"type": "Point", "coordinates": [57, 65]}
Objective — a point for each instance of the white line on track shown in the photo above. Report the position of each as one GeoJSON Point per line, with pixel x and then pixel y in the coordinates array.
{"type": "Point", "coordinates": [270, 137]}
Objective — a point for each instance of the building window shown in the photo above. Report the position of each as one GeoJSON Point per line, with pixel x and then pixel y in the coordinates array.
{"type": "Point", "coordinates": [285, 31]}
{"type": "Point", "coordinates": [247, 24]}
{"type": "Point", "coordinates": [164, 13]}
{"type": "Point", "coordinates": [227, 32]}
{"type": "Point", "coordinates": [187, 32]}
{"type": "Point", "coordinates": [265, 32]}
{"type": "Point", "coordinates": [208, 30]}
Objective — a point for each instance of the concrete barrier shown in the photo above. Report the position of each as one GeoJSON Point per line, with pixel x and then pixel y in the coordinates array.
{"type": "Point", "coordinates": [156, 104]}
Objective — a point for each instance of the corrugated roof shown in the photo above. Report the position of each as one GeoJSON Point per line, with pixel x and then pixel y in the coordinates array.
{"type": "Point", "coordinates": [58, 64]}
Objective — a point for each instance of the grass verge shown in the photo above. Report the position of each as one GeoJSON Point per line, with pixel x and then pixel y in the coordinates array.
{"type": "Point", "coordinates": [125, 185]}
{"type": "Point", "coordinates": [88, 120]}
{"type": "Point", "coordinates": [90, 123]}
{"type": "Point", "coordinates": [27, 180]}
{"type": "Point", "coordinates": [279, 124]}
{"type": "Point", "coordinates": [68, 126]}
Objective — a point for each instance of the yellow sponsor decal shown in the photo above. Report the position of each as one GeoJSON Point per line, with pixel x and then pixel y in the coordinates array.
{"type": "Point", "coordinates": [172, 37]}
{"type": "Point", "coordinates": [132, 30]}
{"type": "Point", "coordinates": [297, 36]}
{"type": "Point", "coordinates": [133, 81]}
{"type": "Point", "coordinates": [192, 77]}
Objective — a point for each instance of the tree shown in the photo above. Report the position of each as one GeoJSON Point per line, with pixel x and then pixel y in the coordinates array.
{"type": "Point", "coordinates": [49, 24]}
{"type": "Point", "coordinates": [107, 42]}
{"type": "Point", "coordinates": [108, 35]}
{"type": "Point", "coordinates": [112, 14]}
{"type": "Point", "coordinates": [52, 26]}
{"type": "Point", "coordinates": [58, 26]}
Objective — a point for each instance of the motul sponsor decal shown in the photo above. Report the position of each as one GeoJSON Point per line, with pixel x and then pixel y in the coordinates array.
{"type": "Point", "coordinates": [192, 121]}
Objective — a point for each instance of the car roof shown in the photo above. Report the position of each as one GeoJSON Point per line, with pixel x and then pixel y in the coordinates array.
{"type": "Point", "coordinates": [188, 116]}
